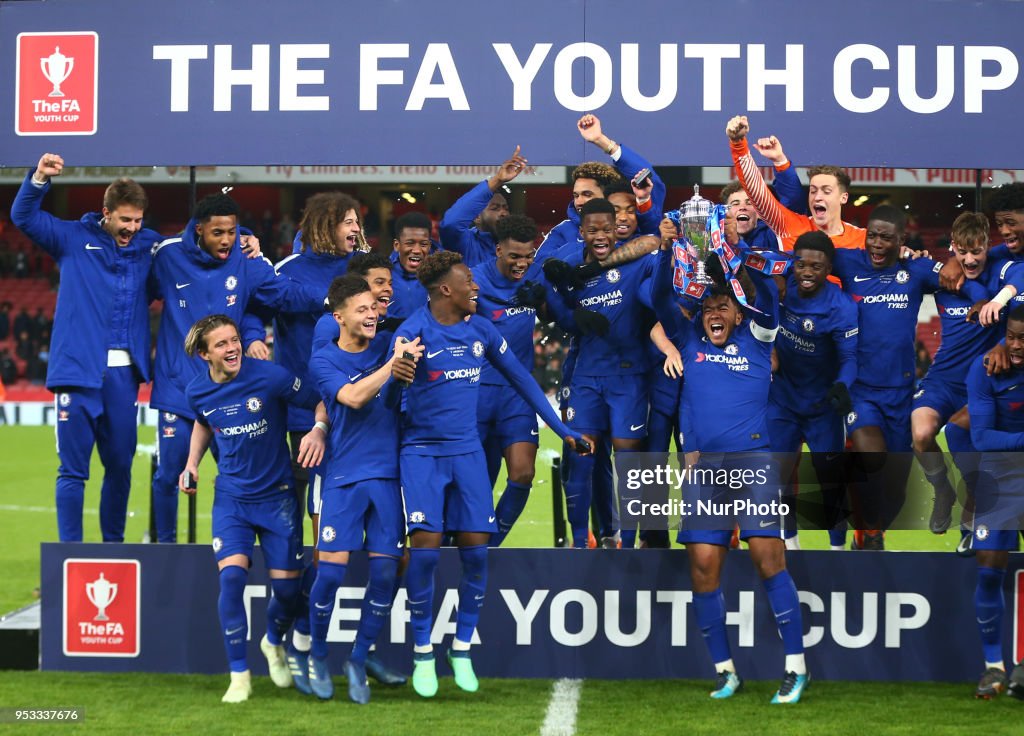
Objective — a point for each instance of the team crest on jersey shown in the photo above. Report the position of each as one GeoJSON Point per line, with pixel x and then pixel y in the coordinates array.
{"type": "Point", "coordinates": [851, 417]}
{"type": "Point", "coordinates": [328, 534]}
{"type": "Point", "coordinates": [478, 349]}
{"type": "Point", "coordinates": [170, 417]}
{"type": "Point", "coordinates": [230, 283]}
{"type": "Point", "coordinates": [613, 276]}
{"type": "Point", "coordinates": [981, 533]}
{"type": "Point", "coordinates": [808, 325]}
{"type": "Point", "coordinates": [732, 349]}
{"type": "Point", "coordinates": [65, 400]}
{"type": "Point", "coordinates": [254, 404]}
{"type": "Point", "coordinates": [902, 277]}
{"type": "Point", "coordinates": [570, 413]}
{"type": "Point", "coordinates": [217, 543]}
{"type": "Point", "coordinates": [565, 393]}
{"type": "Point", "coordinates": [417, 517]}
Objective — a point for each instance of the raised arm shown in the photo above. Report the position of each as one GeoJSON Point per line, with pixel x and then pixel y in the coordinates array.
{"type": "Point", "coordinates": [788, 188]}
{"type": "Point", "coordinates": [768, 207]}
{"type": "Point", "coordinates": [458, 220]}
{"type": "Point", "coordinates": [26, 210]}
{"type": "Point", "coordinates": [676, 327]}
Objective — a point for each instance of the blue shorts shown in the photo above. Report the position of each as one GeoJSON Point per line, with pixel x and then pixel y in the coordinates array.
{"type": "Point", "coordinates": [450, 493]}
{"type": "Point", "coordinates": [603, 404]}
{"type": "Point", "coordinates": [503, 414]}
{"type": "Point", "coordinates": [372, 506]}
{"type": "Point", "coordinates": [755, 506]}
{"type": "Point", "coordinates": [998, 501]}
{"type": "Point", "coordinates": [277, 523]}
{"type": "Point", "coordinates": [789, 429]}
{"type": "Point", "coordinates": [945, 398]}
{"type": "Point", "coordinates": [885, 408]}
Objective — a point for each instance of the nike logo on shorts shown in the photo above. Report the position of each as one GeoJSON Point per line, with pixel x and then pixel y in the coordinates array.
{"type": "Point", "coordinates": [767, 523]}
{"type": "Point", "coordinates": [634, 429]}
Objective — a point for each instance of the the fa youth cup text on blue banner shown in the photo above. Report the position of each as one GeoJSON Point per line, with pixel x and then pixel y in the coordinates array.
{"type": "Point", "coordinates": [262, 82]}
{"type": "Point", "coordinates": [550, 613]}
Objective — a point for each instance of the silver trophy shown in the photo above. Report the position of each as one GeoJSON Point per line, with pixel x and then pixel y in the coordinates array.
{"type": "Point", "coordinates": [56, 68]}
{"type": "Point", "coordinates": [101, 594]}
{"type": "Point", "coordinates": [693, 216]}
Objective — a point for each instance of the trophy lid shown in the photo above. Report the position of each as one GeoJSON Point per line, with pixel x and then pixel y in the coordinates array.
{"type": "Point", "coordinates": [696, 207]}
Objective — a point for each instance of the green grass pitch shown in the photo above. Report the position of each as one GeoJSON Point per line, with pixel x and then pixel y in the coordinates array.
{"type": "Point", "coordinates": [160, 704]}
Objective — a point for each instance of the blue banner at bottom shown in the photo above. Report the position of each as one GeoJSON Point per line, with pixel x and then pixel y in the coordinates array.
{"type": "Point", "coordinates": [549, 613]}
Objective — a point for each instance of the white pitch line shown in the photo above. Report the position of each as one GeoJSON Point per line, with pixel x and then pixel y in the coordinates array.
{"type": "Point", "coordinates": [560, 720]}
{"type": "Point", "coordinates": [86, 511]}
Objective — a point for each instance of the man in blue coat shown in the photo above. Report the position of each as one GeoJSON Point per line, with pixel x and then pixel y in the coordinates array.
{"type": "Point", "coordinates": [99, 351]}
{"type": "Point", "coordinates": [203, 272]}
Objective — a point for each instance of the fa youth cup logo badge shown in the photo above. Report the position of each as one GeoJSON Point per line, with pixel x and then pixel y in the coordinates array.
{"type": "Point", "coordinates": [56, 68]}
{"type": "Point", "coordinates": [101, 607]}
{"type": "Point", "coordinates": [56, 83]}
{"type": "Point", "coordinates": [101, 594]}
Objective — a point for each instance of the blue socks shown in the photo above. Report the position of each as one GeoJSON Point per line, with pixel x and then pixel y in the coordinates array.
{"type": "Point", "coordinates": [510, 506]}
{"type": "Point", "coordinates": [710, 610]}
{"type": "Point", "coordinates": [988, 608]}
{"type": "Point", "coordinates": [785, 603]}
{"type": "Point", "coordinates": [283, 607]}
{"type": "Point", "coordinates": [606, 511]}
{"type": "Point", "coordinates": [419, 583]}
{"type": "Point", "coordinates": [578, 493]}
{"type": "Point", "coordinates": [472, 588]}
{"type": "Point", "coordinates": [376, 605]}
{"type": "Point", "coordinates": [231, 610]}
{"type": "Point", "coordinates": [628, 522]}
{"type": "Point", "coordinates": [329, 576]}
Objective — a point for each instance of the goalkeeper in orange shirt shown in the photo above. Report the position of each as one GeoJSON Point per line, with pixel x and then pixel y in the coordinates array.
{"type": "Point", "coordinates": [829, 190]}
